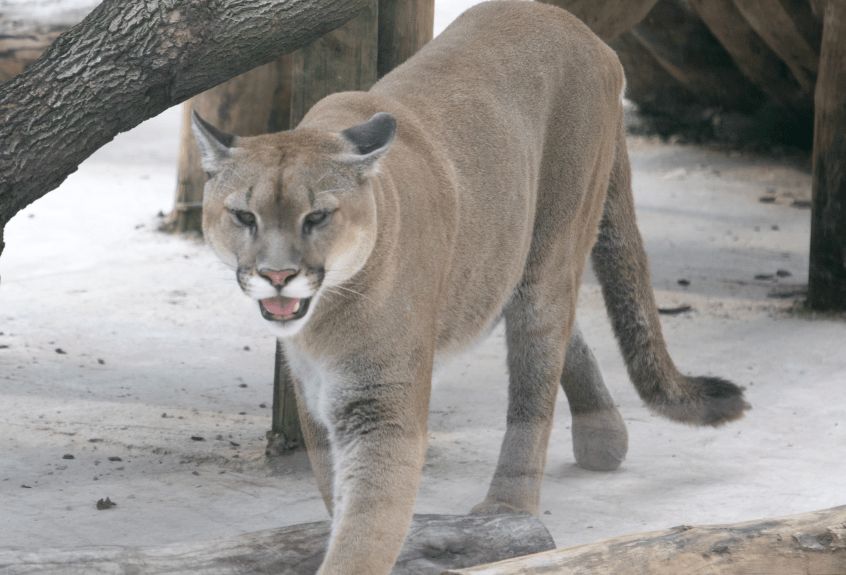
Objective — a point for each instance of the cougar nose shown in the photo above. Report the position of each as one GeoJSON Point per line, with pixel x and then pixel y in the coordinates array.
{"type": "Point", "coordinates": [278, 278]}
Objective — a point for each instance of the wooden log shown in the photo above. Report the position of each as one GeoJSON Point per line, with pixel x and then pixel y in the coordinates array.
{"type": "Point", "coordinates": [607, 18]}
{"type": "Point", "coordinates": [827, 273]}
{"type": "Point", "coordinates": [809, 543]}
{"type": "Point", "coordinates": [776, 27]}
{"type": "Point", "coordinates": [405, 26]}
{"type": "Point", "coordinates": [344, 59]}
{"type": "Point", "coordinates": [434, 543]}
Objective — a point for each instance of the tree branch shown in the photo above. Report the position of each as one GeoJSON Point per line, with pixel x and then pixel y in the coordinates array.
{"type": "Point", "coordinates": [128, 61]}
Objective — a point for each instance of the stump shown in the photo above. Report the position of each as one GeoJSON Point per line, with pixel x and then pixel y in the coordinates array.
{"type": "Point", "coordinates": [434, 543]}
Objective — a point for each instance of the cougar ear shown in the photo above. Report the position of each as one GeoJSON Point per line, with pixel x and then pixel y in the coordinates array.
{"type": "Point", "coordinates": [215, 145]}
{"type": "Point", "coordinates": [371, 140]}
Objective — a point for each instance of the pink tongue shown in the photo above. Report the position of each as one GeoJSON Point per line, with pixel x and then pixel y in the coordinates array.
{"type": "Point", "coordinates": [272, 306]}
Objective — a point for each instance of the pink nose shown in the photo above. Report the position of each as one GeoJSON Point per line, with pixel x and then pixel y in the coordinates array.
{"type": "Point", "coordinates": [277, 278]}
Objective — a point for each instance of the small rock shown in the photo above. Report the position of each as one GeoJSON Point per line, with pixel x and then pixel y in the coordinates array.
{"type": "Point", "coordinates": [195, 473]}
{"type": "Point", "coordinates": [783, 273]}
{"type": "Point", "coordinates": [68, 456]}
{"type": "Point", "coordinates": [115, 459]}
{"type": "Point", "coordinates": [101, 362]}
{"type": "Point", "coordinates": [262, 405]}
{"type": "Point", "coordinates": [764, 276]}
{"type": "Point", "coordinates": [684, 282]}
{"type": "Point", "coordinates": [60, 351]}
{"type": "Point", "coordinates": [198, 438]}
{"type": "Point", "coordinates": [26, 486]}
{"type": "Point", "coordinates": [243, 385]}
{"type": "Point", "coordinates": [801, 204]}
{"type": "Point", "coordinates": [767, 199]}
{"type": "Point", "coordinates": [233, 444]}
{"type": "Point", "coordinates": [246, 348]}
{"type": "Point", "coordinates": [105, 504]}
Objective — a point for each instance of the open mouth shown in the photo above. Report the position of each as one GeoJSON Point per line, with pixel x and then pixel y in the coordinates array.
{"type": "Point", "coordinates": [283, 308]}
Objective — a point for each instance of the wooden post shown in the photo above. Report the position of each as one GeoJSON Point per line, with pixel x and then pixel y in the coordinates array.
{"type": "Point", "coordinates": [253, 103]}
{"type": "Point", "coordinates": [285, 435]}
{"type": "Point", "coordinates": [827, 273]}
{"type": "Point", "coordinates": [382, 37]}
{"type": "Point", "coordinates": [344, 59]}
{"type": "Point", "coordinates": [405, 26]}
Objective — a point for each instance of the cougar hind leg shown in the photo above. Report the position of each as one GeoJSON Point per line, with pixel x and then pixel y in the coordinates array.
{"type": "Point", "coordinates": [600, 439]}
{"type": "Point", "coordinates": [623, 271]}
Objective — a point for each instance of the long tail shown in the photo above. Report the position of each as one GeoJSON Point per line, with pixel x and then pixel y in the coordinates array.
{"type": "Point", "coordinates": [621, 265]}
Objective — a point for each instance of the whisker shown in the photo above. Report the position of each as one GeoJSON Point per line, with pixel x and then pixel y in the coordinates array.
{"type": "Point", "coordinates": [355, 292]}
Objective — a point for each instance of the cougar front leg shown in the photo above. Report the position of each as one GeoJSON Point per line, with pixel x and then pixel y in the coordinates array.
{"type": "Point", "coordinates": [536, 333]}
{"type": "Point", "coordinates": [378, 434]}
{"type": "Point", "coordinates": [600, 439]}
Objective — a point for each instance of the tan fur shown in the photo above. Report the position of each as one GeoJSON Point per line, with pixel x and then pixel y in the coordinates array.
{"type": "Point", "coordinates": [507, 166]}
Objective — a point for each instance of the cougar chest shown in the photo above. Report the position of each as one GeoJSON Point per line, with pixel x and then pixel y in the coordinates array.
{"type": "Point", "coordinates": [318, 381]}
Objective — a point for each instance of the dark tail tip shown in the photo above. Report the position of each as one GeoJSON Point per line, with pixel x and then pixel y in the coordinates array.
{"type": "Point", "coordinates": [705, 401]}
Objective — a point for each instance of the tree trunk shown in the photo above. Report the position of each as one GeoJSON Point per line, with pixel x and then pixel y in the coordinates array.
{"type": "Point", "coordinates": [434, 543]}
{"type": "Point", "coordinates": [827, 273]}
{"type": "Point", "coordinates": [129, 61]}
{"type": "Point", "coordinates": [794, 545]}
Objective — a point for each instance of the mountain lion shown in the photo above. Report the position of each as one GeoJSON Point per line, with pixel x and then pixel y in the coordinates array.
{"type": "Point", "coordinates": [394, 228]}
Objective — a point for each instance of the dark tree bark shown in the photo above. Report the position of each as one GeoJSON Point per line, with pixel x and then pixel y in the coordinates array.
{"type": "Point", "coordinates": [128, 61]}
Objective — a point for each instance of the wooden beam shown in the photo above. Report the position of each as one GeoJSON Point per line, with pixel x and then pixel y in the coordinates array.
{"type": "Point", "coordinates": [775, 26]}
{"type": "Point", "coordinates": [794, 545]}
{"type": "Point", "coordinates": [683, 45]}
{"type": "Point", "coordinates": [752, 55]}
{"type": "Point", "coordinates": [405, 26]}
{"type": "Point", "coordinates": [434, 543]}
{"type": "Point", "coordinates": [827, 273]}
{"type": "Point", "coordinates": [607, 18]}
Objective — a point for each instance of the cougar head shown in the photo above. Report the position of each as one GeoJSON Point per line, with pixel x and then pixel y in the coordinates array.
{"type": "Point", "coordinates": [293, 213]}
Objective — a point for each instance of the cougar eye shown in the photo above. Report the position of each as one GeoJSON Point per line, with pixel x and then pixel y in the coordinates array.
{"type": "Point", "coordinates": [244, 218]}
{"type": "Point", "coordinates": [314, 219]}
